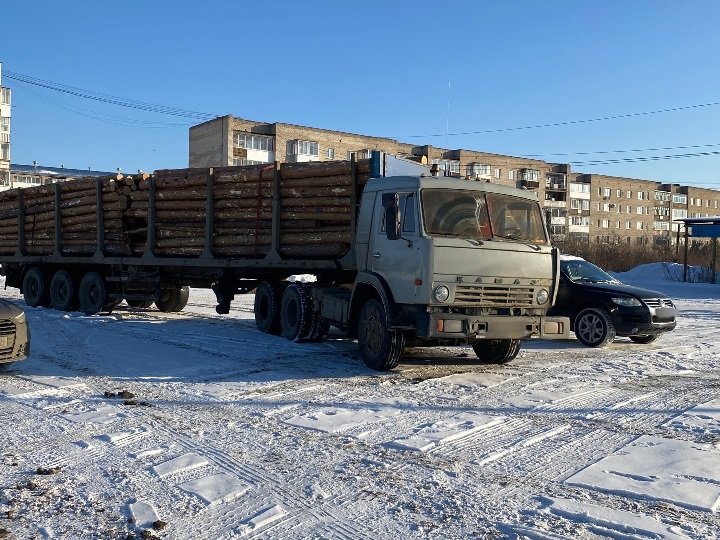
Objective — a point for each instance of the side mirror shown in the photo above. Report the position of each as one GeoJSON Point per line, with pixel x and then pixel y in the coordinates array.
{"type": "Point", "coordinates": [391, 204]}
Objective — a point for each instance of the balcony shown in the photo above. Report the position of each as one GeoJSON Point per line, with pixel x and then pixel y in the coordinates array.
{"type": "Point", "coordinates": [554, 204]}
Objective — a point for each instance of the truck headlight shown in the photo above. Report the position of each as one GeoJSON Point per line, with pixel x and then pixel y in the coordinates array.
{"type": "Point", "coordinates": [542, 296]}
{"type": "Point", "coordinates": [627, 301]}
{"type": "Point", "coordinates": [441, 293]}
{"type": "Point", "coordinates": [20, 319]}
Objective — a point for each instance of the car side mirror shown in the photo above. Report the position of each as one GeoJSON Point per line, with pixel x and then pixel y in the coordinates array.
{"type": "Point", "coordinates": [391, 205]}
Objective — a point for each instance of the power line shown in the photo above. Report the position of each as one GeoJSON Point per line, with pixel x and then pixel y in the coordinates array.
{"type": "Point", "coordinates": [644, 158]}
{"type": "Point", "coordinates": [568, 122]}
{"type": "Point", "coordinates": [626, 151]}
{"type": "Point", "coordinates": [109, 99]}
{"type": "Point", "coordinates": [111, 119]}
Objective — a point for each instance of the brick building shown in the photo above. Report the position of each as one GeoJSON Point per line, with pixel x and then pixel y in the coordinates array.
{"type": "Point", "coordinates": [587, 207]}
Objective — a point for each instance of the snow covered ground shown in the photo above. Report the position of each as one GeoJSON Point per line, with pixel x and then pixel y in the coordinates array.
{"type": "Point", "coordinates": [206, 428]}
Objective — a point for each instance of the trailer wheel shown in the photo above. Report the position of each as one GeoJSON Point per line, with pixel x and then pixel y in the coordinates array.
{"type": "Point", "coordinates": [173, 299]}
{"type": "Point", "coordinates": [267, 307]}
{"type": "Point", "coordinates": [380, 347]}
{"type": "Point", "coordinates": [92, 294]}
{"type": "Point", "coordinates": [139, 304]}
{"type": "Point", "coordinates": [35, 289]}
{"type": "Point", "coordinates": [62, 291]}
{"type": "Point", "coordinates": [295, 315]}
{"type": "Point", "coordinates": [496, 351]}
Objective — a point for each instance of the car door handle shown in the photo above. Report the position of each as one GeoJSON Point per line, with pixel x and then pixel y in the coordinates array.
{"type": "Point", "coordinates": [376, 254]}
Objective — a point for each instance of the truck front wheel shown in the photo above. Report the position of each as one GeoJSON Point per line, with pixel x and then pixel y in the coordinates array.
{"type": "Point", "coordinates": [380, 347]}
{"type": "Point", "coordinates": [497, 351]}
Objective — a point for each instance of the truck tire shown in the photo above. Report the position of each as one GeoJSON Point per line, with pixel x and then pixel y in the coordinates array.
{"type": "Point", "coordinates": [35, 288]}
{"type": "Point", "coordinates": [174, 299]}
{"type": "Point", "coordinates": [496, 351]}
{"type": "Point", "coordinates": [62, 291]}
{"type": "Point", "coordinates": [139, 304]}
{"type": "Point", "coordinates": [92, 294]}
{"type": "Point", "coordinates": [593, 327]}
{"type": "Point", "coordinates": [295, 313]}
{"type": "Point", "coordinates": [267, 307]}
{"type": "Point", "coordinates": [380, 347]}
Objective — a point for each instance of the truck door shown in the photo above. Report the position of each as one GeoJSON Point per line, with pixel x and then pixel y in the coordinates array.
{"type": "Point", "coordinates": [397, 260]}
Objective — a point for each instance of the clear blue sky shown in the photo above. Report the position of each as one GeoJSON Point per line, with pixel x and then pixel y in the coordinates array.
{"type": "Point", "coordinates": [398, 69]}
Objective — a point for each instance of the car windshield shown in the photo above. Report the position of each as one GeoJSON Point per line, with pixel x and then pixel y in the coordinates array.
{"type": "Point", "coordinates": [482, 216]}
{"type": "Point", "coordinates": [580, 271]}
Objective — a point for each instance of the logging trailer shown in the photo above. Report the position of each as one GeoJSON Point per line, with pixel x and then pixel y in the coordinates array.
{"type": "Point", "coordinates": [402, 258]}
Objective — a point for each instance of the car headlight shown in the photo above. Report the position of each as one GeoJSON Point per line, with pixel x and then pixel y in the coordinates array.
{"type": "Point", "coordinates": [542, 296]}
{"type": "Point", "coordinates": [20, 319]}
{"type": "Point", "coordinates": [441, 293]}
{"type": "Point", "coordinates": [627, 301]}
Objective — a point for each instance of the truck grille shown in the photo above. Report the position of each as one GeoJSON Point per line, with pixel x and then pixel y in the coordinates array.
{"type": "Point", "coordinates": [7, 336]}
{"type": "Point", "coordinates": [485, 295]}
{"type": "Point", "coordinates": [658, 302]}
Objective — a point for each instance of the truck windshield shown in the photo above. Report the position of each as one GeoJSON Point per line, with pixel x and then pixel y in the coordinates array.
{"type": "Point", "coordinates": [482, 216]}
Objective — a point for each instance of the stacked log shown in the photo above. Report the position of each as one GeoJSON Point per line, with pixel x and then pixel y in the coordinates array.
{"type": "Point", "coordinates": [78, 211]}
{"type": "Point", "coordinates": [9, 221]}
{"type": "Point", "coordinates": [315, 212]}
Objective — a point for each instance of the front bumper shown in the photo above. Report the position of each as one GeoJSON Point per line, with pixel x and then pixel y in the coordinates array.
{"type": "Point", "coordinates": [15, 347]}
{"type": "Point", "coordinates": [642, 321]}
{"type": "Point", "coordinates": [460, 326]}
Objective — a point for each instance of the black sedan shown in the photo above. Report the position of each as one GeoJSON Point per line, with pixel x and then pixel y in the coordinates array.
{"type": "Point", "coordinates": [601, 307]}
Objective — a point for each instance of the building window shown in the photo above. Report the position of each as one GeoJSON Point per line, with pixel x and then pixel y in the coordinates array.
{"type": "Point", "coordinates": [475, 170]}
{"type": "Point", "coordinates": [679, 213]}
{"type": "Point", "coordinates": [580, 220]}
{"type": "Point", "coordinates": [303, 148]}
{"type": "Point", "coordinates": [4, 124]}
{"type": "Point", "coordinates": [679, 199]}
{"type": "Point", "coordinates": [662, 196]}
{"type": "Point", "coordinates": [580, 188]}
{"type": "Point", "coordinates": [511, 174]}
{"type": "Point", "coordinates": [330, 153]}
{"type": "Point", "coordinates": [251, 141]}
{"type": "Point", "coordinates": [606, 192]}
{"type": "Point", "coordinates": [5, 96]}
{"type": "Point", "coordinates": [530, 175]}
{"type": "Point", "coordinates": [580, 204]}
{"type": "Point", "coordinates": [5, 152]}
{"type": "Point", "coordinates": [498, 172]}
{"type": "Point", "coordinates": [240, 162]}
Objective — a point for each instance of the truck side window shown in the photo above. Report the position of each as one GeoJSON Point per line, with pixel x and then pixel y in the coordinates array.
{"type": "Point", "coordinates": [407, 203]}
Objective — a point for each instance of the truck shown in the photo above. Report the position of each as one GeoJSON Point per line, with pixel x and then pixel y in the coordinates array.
{"type": "Point", "coordinates": [401, 257]}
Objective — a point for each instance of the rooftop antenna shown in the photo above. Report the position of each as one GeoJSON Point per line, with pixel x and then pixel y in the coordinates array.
{"type": "Point", "coordinates": [447, 116]}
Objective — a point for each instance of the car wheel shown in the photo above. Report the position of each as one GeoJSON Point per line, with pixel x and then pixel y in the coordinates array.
{"type": "Point", "coordinates": [644, 339]}
{"type": "Point", "coordinates": [496, 351]}
{"type": "Point", "coordinates": [593, 327]}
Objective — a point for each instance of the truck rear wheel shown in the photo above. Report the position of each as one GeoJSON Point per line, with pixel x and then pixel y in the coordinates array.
{"type": "Point", "coordinates": [267, 307]}
{"type": "Point", "coordinates": [380, 347]}
{"type": "Point", "coordinates": [62, 291]}
{"type": "Point", "coordinates": [92, 294]}
{"type": "Point", "coordinates": [173, 299]}
{"type": "Point", "coordinates": [295, 313]}
{"type": "Point", "coordinates": [497, 351]}
{"type": "Point", "coordinates": [35, 288]}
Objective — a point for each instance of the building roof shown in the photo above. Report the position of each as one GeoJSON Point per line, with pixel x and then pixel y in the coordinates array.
{"type": "Point", "coordinates": [55, 171]}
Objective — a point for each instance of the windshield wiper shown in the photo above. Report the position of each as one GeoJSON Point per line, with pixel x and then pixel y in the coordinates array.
{"type": "Point", "coordinates": [517, 239]}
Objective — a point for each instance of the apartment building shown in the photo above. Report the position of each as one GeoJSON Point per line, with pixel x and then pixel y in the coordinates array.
{"type": "Point", "coordinates": [5, 109]}
{"type": "Point", "coordinates": [579, 207]}
{"type": "Point", "coordinates": [22, 176]}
